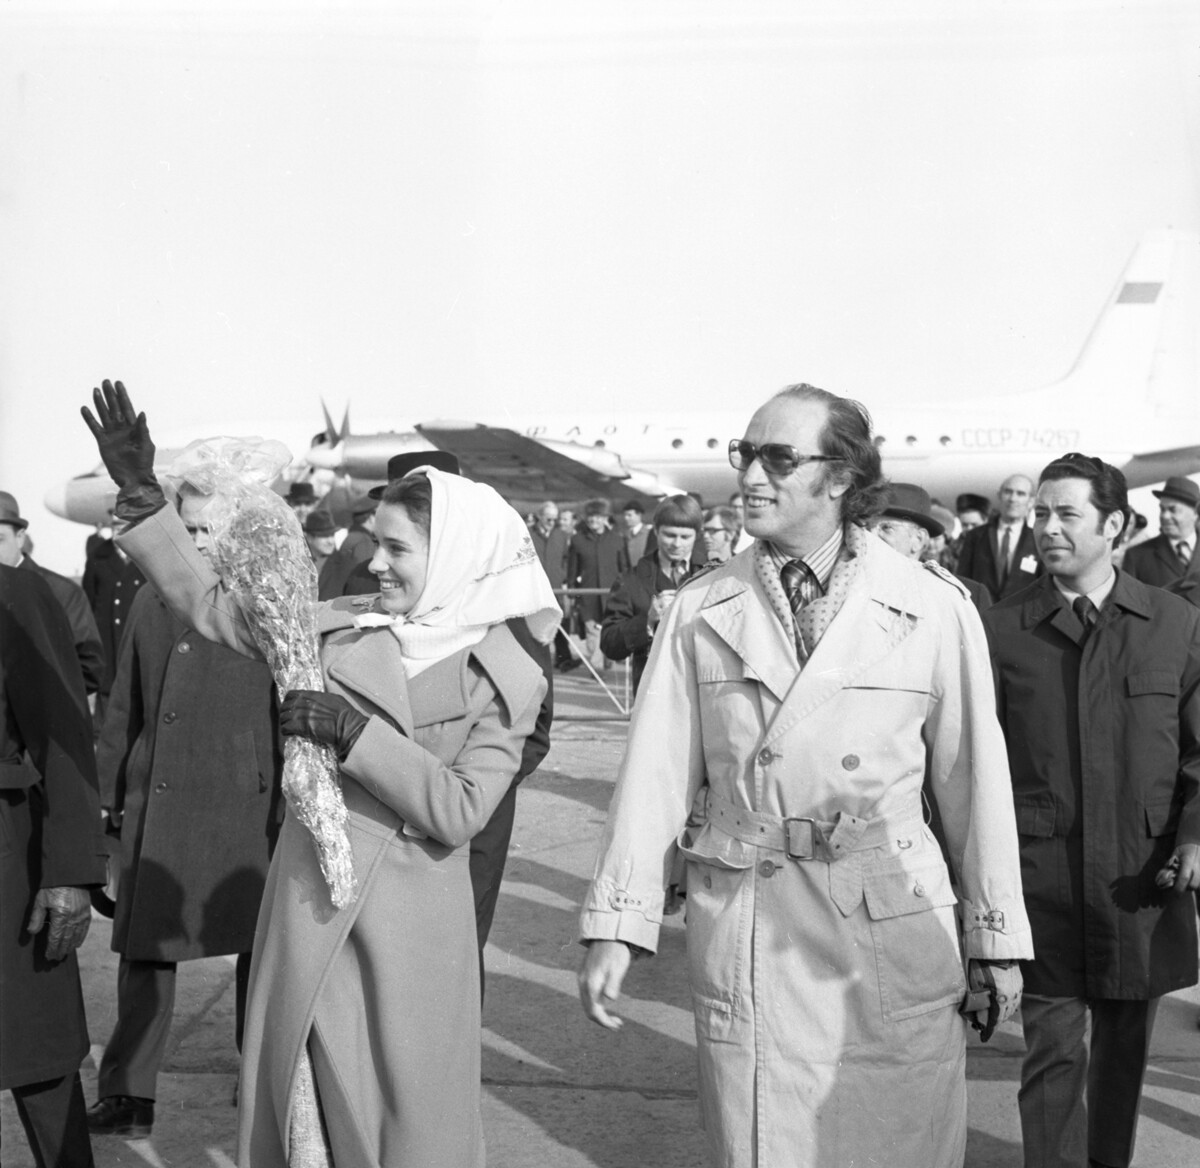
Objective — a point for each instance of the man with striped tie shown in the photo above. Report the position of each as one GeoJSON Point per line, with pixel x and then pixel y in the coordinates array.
{"type": "Point", "coordinates": [1098, 684]}
{"type": "Point", "coordinates": [797, 696]}
{"type": "Point", "coordinates": [1162, 560]}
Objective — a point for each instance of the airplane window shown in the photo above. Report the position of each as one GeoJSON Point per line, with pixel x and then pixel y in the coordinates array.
{"type": "Point", "coordinates": [599, 442]}
{"type": "Point", "coordinates": [945, 439]}
{"type": "Point", "coordinates": [676, 443]}
{"type": "Point", "coordinates": [879, 439]}
{"type": "Point", "coordinates": [712, 444]}
{"type": "Point", "coordinates": [911, 440]}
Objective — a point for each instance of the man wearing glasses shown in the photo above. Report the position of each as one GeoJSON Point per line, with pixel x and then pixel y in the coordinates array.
{"type": "Point", "coordinates": [803, 692]}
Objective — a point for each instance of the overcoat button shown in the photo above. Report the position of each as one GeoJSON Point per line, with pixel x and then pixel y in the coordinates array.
{"type": "Point", "coordinates": [160, 787]}
{"type": "Point", "coordinates": [850, 762]}
{"type": "Point", "coordinates": [918, 889]}
{"type": "Point", "coordinates": [707, 881]}
{"type": "Point", "coordinates": [169, 717]}
{"type": "Point", "coordinates": [766, 869]}
{"type": "Point", "coordinates": [184, 647]}
{"type": "Point", "coordinates": [766, 756]}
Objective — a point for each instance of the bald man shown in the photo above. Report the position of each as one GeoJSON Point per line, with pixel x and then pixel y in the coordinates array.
{"type": "Point", "coordinates": [1001, 555]}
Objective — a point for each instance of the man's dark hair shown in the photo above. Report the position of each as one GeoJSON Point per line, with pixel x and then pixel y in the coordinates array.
{"type": "Point", "coordinates": [678, 511]}
{"type": "Point", "coordinates": [1108, 492]}
{"type": "Point", "coordinates": [415, 495]}
{"type": "Point", "coordinates": [846, 437]}
{"type": "Point", "coordinates": [633, 505]}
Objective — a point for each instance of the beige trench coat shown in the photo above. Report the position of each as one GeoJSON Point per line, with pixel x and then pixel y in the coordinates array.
{"type": "Point", "coordinates": [386, 991]}
{"type": "Point", "coordinates": [825, 991]}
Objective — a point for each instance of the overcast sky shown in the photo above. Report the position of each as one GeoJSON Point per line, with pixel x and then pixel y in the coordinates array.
{"type": "Point", "coordinates": [464, 210]}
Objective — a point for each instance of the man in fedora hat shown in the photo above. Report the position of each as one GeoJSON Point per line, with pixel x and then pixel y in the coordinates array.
{"type": "Point", "coordinates": [356, 548]}
{"type": "Point", "coordinates": [302, 499]}
{"type": "Point", "coordinates": [907, 524]}
{"type": "Point", "coordinates": [1165, 558]}
{"type": "Point", "coordinates": [68, 594]}
{"type": "Point", "coordinates": [320, 533]}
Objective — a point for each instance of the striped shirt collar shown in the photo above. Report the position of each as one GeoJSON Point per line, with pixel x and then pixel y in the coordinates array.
{"type": "Point", "coordinates": [820, 561]}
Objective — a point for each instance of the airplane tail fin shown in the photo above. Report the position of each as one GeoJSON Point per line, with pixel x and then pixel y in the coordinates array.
{"type": "Point", "coordinates": [334, 436]}
{"type": "Point", "coordinates": [1142, 351]}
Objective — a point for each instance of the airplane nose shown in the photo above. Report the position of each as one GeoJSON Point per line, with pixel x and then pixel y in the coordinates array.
{"type": "Point", "coordinates": [56, 500]}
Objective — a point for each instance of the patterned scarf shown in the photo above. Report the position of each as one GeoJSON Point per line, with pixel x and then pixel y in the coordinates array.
{"type": "Point", "coordinates": [815, 617]}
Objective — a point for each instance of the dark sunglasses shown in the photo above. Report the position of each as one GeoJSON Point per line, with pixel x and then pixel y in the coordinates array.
{"type": "Point", "coordinates": [777, 458]}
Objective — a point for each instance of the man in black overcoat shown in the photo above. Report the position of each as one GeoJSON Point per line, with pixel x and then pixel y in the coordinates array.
{"type": "Point", "coordinates": [50, 823]}
{"type": "Point", "coordinates": [1165, 558]}
{"type": "Point", "coordinates": [1098, 686]}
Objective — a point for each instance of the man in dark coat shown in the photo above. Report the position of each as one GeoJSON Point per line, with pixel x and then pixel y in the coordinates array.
{"type": "Point", "coordinates": [1098, 686]}
{"type": "Point", "coordinates": [190, 767]}
{"type": "Point", "coordinates": [595, 559]}
{"type": "Point", "coordinates": [83, 625]}
{"type": "Point", "coordinates": [551, 542]}
{"type": "Point", "coordinates": [1001, 554]}
{"type": "Point", "coordinates": [110, 582]}
{"type": "Point", "coordinates": [1166, 557]}
{"type": "Point", "coordinates": [357, 548]}
{"type": "Point", "coordinates": [640, 598]}
{"type": "Point", "coordinates": [50, 825]}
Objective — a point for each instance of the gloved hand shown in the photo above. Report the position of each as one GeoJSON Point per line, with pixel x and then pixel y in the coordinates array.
{"type": "Point", "coordinates": [122, 436]}
{"type": "Point", "coordinates": [324, 717]}
{"type": "Point", "coordinates": [70, 913]}
{"type": "Point", "coordinates": [1002, 981]}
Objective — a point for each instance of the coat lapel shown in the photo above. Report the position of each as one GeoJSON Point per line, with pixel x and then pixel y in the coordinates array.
{"type": "Point", "coordinates": [369, 664]}
{"type": "Point", "coordinates": [881, 609]}
{"type": "Point", "coordinates": [738, 611]}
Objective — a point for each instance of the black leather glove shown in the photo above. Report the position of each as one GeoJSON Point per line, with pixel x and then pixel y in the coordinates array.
{"type": "Point", "coordinates": [323, 717]}
{"type": "Point", "coordinates": [122, 436]}
{"type": "Point", "coordinates": [1002, 983]}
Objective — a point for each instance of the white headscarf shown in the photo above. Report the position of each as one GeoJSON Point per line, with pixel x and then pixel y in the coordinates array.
{"type": "Point", "coordinates": [482, 570]}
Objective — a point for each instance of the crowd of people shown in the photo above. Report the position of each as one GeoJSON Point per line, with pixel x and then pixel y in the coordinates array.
{"type": "Point", "coordinates": [909, 769]}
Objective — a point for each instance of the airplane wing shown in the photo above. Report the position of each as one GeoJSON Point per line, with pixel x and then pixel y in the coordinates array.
{"type": "Point", "coordinates": [522, 469]}
{"type": "Point", "coordinates": [1158, 465]}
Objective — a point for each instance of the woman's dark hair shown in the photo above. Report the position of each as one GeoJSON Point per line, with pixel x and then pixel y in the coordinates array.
{"type": "Point", "coordinates": [415, 495]}
{"type": "Point", "coordinates": [1107, 490]}
{"type": "Point", "coordinates": [846, 437]}
{"type": "Point", "coordinates": [678, 511]}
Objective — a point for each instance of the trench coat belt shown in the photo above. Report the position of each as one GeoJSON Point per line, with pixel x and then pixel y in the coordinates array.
{"type": "Point", "coordinates": [804, 838]}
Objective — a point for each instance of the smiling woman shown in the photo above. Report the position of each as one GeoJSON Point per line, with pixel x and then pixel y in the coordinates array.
{"type": "Point", "coordinates": [428, 702]}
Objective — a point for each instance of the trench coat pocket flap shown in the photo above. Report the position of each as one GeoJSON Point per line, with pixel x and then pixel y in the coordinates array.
{"type": "Point", "coordinates": [1162, 817]}
{"type": "Point", "coordinates": [1035, 815]}
{"type": "Point", "coordinates": [712, 846]}
{"type": "Point", "coordinates": [897, 892]}
{"type": "Point", "coordinates": [1153, 681]}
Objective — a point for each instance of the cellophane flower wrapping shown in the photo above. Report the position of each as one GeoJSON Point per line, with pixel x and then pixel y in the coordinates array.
{"type": "Point", "coordinates": [258, 549]}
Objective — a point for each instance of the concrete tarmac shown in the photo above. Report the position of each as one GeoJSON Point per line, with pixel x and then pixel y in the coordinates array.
{"type": "Point", "coordinates": [559, 1092]}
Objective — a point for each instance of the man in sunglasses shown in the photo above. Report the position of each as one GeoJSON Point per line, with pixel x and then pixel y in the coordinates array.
{"type": "Point", "coordinates": [799, 696]}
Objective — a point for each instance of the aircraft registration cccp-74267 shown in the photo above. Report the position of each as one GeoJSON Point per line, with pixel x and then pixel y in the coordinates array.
{"type": "Point", "coordinates": [1132, 397]}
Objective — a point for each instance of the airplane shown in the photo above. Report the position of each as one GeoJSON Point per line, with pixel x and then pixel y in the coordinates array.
{"type": "Point", "coordinates": [1144, 340]}
{"type": "Point", "coordinates": [1132, 398]}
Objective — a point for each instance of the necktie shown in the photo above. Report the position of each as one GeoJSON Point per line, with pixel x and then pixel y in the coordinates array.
{"type": "Point", "coordinates": [1005, 548]}
{"type": "Point", "coordinates": [1087, 613]}
{"type": "Point", "coordinates": [799, 584]}
{"type": "Point", "coordinates": [1184, 552]}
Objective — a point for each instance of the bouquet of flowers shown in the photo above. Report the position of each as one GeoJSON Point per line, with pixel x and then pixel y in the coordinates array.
{"type": "Point", "coordinates": [258, 550]}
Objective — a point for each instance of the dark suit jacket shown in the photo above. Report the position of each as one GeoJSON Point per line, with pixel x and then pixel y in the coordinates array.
{"type": "Point", "coordinates": [50, 824]}
{"type": "Point", "coordinates": [552, 551]}
{"type": "Point", "coordinates": [1153, 562]}
{"type": "Point", "coordinates": [979, 559]}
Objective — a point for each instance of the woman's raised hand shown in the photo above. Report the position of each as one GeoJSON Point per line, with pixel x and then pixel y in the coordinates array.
{"type": "Point", "coordinates": [122, 436]}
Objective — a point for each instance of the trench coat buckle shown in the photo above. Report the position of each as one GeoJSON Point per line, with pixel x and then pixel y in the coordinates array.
{"type": "Point", "coordinates": [804, 838]}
